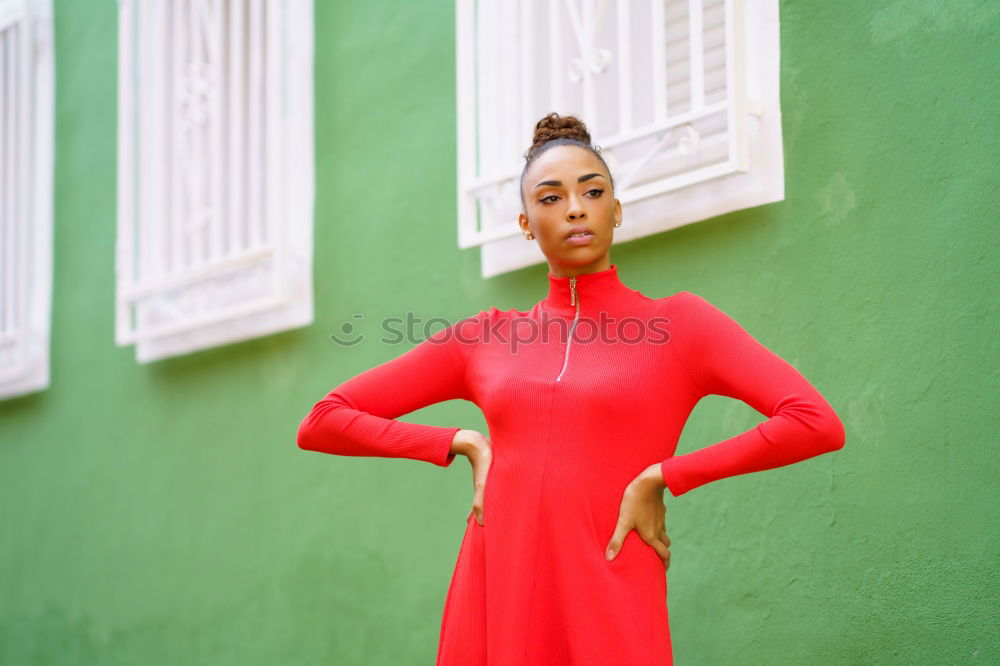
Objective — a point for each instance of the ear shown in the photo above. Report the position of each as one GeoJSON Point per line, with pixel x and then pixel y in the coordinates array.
{"type": "Point", "coordinates": [522, 221]}
{"type": "Point", "coordinates": [618, 211]}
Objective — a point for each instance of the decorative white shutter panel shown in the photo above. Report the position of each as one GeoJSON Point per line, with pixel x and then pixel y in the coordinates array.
{"type": "Point", "coordinates": [26, 162]}
{"type": "Point", "coordinates": [681, 96]}
{"type": "Point", "coordinates": [215, 172]}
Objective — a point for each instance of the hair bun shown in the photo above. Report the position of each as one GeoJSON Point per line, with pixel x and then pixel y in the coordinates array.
{"type": "Point", "coordinates": [554, 126]}
{"type": "Point", "coordinates": [555, 130]}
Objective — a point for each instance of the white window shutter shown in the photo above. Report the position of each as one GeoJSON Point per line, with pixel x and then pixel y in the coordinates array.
{"type": "Point", "coordinates": [681, 95]}
{"type": "Point", "coordinates": [215, 167]}
{"type": "Point", "coordinates": [26, 163]}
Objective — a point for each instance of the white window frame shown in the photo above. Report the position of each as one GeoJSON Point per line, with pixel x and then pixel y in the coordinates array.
{"type": "Point", "coordinates": [26, 164]}
{"type": "Point", "coordinates": [503, 83]}
{"type": "Point", "coordinates": [215, 192]}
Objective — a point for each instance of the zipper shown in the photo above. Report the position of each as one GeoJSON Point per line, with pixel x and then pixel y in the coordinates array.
{"type": "Point", "coordinates": [573, 300]}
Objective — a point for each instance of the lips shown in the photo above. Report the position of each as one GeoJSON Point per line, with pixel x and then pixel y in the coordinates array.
{"type": "Point", "coordinates": [580, 236]}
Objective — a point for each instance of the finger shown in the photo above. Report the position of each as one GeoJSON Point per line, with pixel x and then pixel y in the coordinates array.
{"type": "Point", "coordinates": [477, 505]}
{"type": "Point", "coordinates": [479, 499]}
{"type": "Point", "coordinates": [661, 550]}
{"type": "Point", "coordinates": [617, 539]}
{"type": "Point", "coordinates": [662, 536]}
{"type": "Point", "coordinates": [477, 502]}
{"type": "Point", "coordinates": [479, 473]}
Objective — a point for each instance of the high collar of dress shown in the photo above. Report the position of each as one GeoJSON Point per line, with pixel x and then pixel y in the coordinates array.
{"type": "Point", "coordinates": [596, 291]}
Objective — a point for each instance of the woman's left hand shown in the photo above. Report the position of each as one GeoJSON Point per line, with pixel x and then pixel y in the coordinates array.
{"type": "Point", "coordinates": [643, 510]}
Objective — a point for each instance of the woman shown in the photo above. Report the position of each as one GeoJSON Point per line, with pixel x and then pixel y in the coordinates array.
{"type": "Point", "coordinates": [585, 395]}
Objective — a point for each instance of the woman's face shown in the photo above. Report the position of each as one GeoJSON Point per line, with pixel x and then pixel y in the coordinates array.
{"type": "Point", "coordinates": [567, 189]}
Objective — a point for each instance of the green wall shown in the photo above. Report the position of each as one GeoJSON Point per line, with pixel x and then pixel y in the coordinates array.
{"type": "Point", "coordinates": [163, 514]}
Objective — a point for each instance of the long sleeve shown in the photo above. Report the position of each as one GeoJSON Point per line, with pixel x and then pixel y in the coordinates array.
{"type": "Point", "coordinates": [722, 358]}
{"type": "Point", "coordinates": [358, 417]}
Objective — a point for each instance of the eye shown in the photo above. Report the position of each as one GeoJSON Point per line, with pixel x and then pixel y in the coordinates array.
{"type": "Point", "coordinates": [551, 196]}
{"type": "Point", "coordinates": [596, 189]}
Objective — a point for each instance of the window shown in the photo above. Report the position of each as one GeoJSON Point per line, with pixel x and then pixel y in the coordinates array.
{"type": "Point", "coordinates": [215, 168]}
{"type": "Point", "coordinates": [26, 134]}
{"type": "Point", "coordinates": [681, 95]}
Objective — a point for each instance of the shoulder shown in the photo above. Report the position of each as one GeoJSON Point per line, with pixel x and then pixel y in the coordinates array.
{"type": "Point", "coordinates": [684, 301]}
{"type": "Point", "coordinates": [470, 329]}
{"type": "Point", "coordinates": [695, 314]}
{"type": "Point", "coordinates": [490, 316]}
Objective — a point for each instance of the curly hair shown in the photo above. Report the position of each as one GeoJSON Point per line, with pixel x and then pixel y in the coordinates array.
{"type": "Point", "coordinates": [555, 130]}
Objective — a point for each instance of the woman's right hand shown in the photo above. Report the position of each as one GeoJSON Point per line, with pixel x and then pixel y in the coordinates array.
{"type": "Point", "coordinates": [479, 450]}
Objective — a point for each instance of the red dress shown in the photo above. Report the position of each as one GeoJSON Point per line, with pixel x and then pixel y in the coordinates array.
{"type": "Point", "coordinates": [575, 412]}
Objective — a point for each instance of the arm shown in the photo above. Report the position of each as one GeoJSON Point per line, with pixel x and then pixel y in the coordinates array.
{"type": "Point", "coordinates": [357, 418]}
{"type": "Point", "coordinates": [722, 358]}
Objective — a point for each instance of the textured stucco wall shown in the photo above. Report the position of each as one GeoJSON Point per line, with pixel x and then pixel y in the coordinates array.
{"type": "Point", "coordinates": [163, 514]}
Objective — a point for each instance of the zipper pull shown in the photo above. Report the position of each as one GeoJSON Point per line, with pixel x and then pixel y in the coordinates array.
{"type": "Point", "coordinates": [572, 291]}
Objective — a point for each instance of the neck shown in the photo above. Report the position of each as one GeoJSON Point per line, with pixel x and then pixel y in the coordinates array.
{"type": "Point", "coordinates": [600, 264]}
{"type": "Point", "coordinates": [595, 291]}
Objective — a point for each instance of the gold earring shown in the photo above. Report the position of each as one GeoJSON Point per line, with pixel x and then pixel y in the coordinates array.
{"type": "Point", "coordinates": [528, 236]}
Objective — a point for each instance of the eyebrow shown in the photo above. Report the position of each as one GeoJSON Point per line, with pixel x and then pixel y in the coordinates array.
{"type": "Point", "coordinates": [558, 183]}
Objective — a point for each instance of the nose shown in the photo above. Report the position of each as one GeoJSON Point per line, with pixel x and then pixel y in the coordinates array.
{"type": "Point", "coordinates": [575, 209]}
